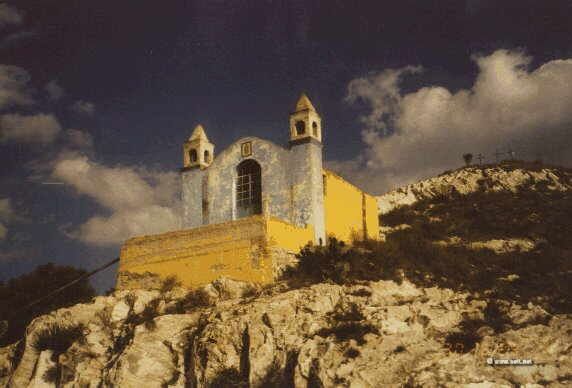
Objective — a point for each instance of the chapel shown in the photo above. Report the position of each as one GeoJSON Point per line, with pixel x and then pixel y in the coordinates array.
{"type": "Point", "coordinates": [248, 210]}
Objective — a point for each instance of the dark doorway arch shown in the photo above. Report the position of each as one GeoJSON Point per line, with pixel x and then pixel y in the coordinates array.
{"type": "Point", "coordinates": [248, 188]}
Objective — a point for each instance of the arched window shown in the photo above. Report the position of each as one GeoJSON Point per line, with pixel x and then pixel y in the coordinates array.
{"type": "Point", "coordinates": [315, 129]}
{"type": "Point", "coordinates": [193, 156]}
{"type": "Point", "coordinates": [248, 188]}
{"type": "Point", "coordinates": [207, 156]}
{"type": "Point", "coordinates": [300, 128]}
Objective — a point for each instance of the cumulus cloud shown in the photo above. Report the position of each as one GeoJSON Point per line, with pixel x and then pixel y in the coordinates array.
{"type": "Point", "coordinates": [137, 201]}
{"type": "Point", "coordinates": [409, 136]}
{"type": "Point", "coordinates": [9, 15]}
{"type": "Point", "coordinates": [14, 87]}
{"type": "Point", "coordinates": [54, 90]}
{"type": "Point", "coordinates": [38, 128]}
{"type": "Point", "coordinates": [83, 107]}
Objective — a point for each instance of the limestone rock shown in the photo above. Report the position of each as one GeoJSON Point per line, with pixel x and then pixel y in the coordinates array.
{"type": "Point", "coordinates": [363, 335]}
{"type": "Point", "coordinates": [472, 179]}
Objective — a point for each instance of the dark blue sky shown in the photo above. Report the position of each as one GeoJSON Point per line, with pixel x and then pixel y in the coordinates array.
{"type": "Point", "coordinates": [153, 70]}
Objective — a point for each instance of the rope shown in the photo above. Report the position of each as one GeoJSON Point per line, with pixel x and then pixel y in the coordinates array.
{"type": "Point", "coordinates": [4, 323]}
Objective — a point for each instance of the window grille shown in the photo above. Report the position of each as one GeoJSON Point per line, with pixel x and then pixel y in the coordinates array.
{"type": "Point", "coordinates": [248, 189]}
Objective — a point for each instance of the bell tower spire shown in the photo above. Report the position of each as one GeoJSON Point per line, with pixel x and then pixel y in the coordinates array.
{"type": "Point", "coordinates": [305, 122]}
{"type": "Point", "coordinates": [198, 151]}
{"type": "Point", "coordinates": [306, 168]}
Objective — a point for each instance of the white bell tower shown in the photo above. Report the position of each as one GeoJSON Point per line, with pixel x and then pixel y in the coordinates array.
{"type": "Point", "coordinates": [198, 151]}
{"type": "Point", "coordinates": [305, 122]}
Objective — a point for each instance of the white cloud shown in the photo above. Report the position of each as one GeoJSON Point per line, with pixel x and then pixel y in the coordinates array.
{"type": "Point", "coordinates": [83, 107]}
{"type": "Point", "coordinates": [9, 15]}
{"type": "Point", "coordinates": [38, 128]}
{"type": "Point", "coordinates": [14, 87]}
{"type": "Point", "coordinates": [418, 134]}
{"type": "Point", "coordinates": [128, 223]}
{"type": "Point", "coordinates": [54, 90]}
{"type": "Point", "coordinates": [380, 92]}
{"type": "Point", "coordinates": [140, 201]}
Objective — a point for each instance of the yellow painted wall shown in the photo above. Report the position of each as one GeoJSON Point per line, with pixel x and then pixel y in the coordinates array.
{"type": "Point", "coordinates": [235, 249]}
{"type": "Point", "coordinates": [249, 249]}
{"type": "Point", "coordinates": [284, 235]}
{"type": "Point", "coordinates": [243, 250]}
{"type": "Point", "coordinates": [349, 212]}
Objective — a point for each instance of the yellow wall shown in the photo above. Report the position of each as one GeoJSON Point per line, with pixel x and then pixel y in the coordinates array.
{"type": "Point", "coordinates": [247, 249]}
{"type": "Point", "coordinates": [284, 235]}
{"type": "Point", "coordinates": [350, 213]}
{"type": "Point", "coordinates": [371, 217]}
{"type": "Point", "coordinates": [251, 249]}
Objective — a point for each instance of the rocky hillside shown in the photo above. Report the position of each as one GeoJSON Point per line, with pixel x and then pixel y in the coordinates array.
{"type": "Point", "coordinates": [475, 270]}
{"type": "Point", "coordinates": [508, 176]}
{"type": "Point", "coordinates": [363, 335]}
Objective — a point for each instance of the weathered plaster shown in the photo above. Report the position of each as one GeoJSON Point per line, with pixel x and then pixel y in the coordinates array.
{"type": "Point", "coordinates": [251, 249]}
{"type": "Point", "coordinates": [291, 184]}
{"type": "Point", "coordinates": [296, 208]}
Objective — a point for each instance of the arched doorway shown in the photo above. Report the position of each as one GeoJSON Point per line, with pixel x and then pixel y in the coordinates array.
{"type": "Point", "coordinates": [248, 189]}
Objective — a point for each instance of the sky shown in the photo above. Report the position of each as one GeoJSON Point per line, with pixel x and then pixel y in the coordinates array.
{"type": "Point", "coordinates": [96, 99]}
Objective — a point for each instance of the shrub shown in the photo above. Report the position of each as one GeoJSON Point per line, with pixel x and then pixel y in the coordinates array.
{"type": "Point", "coordinates": [130, 300]}
{"type": "Point", "coordinates": [58, 338]}
{"type": "Point", "coordinates": [52, 374]}
{"type": "Point", "coordinates": [495, 317]}
{"type": "Point", "coordinates": [194, 299]}
{"type": "Point", "coordinates": [349, 330]}
{"type": "Point", "coordinates": [361, 292]}
{"type": "Point", "coordinates": [251, 291]}
{"type": "Point", "coordinates": [104, 317]}
{"type": "Point", "coordinates": [146, 317]}
{"type": "Point", "coordinates": [197, 298]}
{"type": "Point", "coordinates": [352, 353]}
{"type": "Point", "coordinates": [169, 283]}
{"type": "Point", "coordinates": [346, 323]}
{"type": "Point", "coordinates": [229, 378]}
{"type": "Point", "coordinates": [464, 340]}
{"type": "Point", "coordinates": [149, 313]}
{"type": "Point", "coordinates": [542, 273]}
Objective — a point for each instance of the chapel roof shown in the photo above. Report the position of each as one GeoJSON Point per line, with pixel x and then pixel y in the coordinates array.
{"type": "Point", "coordinates": [304, 103]}
{"type": "Point", "coordinates": [199, 134]}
